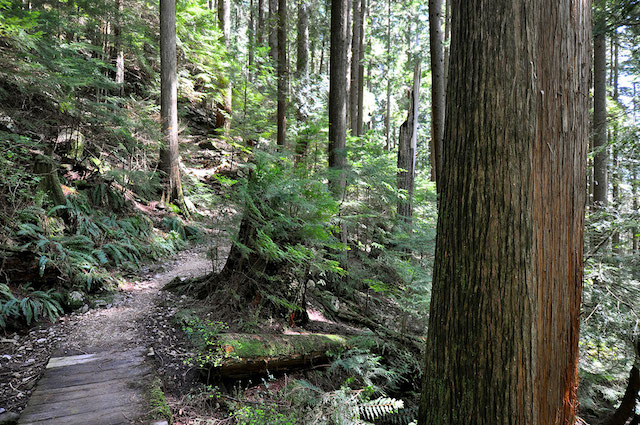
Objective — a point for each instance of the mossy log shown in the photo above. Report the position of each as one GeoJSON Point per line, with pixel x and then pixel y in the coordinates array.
{"type": "Point", "coordinates": [255, 354]}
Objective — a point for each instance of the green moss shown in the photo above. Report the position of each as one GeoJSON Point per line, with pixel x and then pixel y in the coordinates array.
{"type": "Point", "coordinates": [158, 407]}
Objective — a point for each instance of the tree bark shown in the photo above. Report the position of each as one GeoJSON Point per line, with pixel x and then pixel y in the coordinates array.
{"type": "Point", "coordinates": [260, 29]}
{"type": "Point", "coordinates": [302, 59]}
{"type": "Point", "coordinates": [387, 117]}
{"type": "Point", "coordinates": [503, 326]}
{"type": "Point", "coordinates": [437, 89]}
{"type": "Point", "coordinates": [283, 83]}
{"type": "Point", "coordinates": [355, 68]}
{"type": "Point", "coordinates": [360, 100]}
{"type": "Point", "coordinates": [615, 186]}
{"type": "Point", "coordinates": [407, 148]}
{"type": "Point", "coordinates": [273, 31]}
{"type": "Point", "coordinates": [338, 97]}
{"type": "Point", "coordinates": [119, 52]}
{"type": "Point", "coordinates": [601, 158]}
{"type": "Point", "coordinates": [225, 108]}
{"type": "Point", "coordinates": [169, 155]}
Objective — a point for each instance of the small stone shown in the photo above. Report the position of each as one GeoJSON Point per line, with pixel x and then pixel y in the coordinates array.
{"type": "Point", "coordinates": [6, 357]}
{"type": "Point", "coordinates": [41, 340]}
{"type": "Point", "coordinates": [29, 362]}
{"type": "Point", "coordinates": [109, 306]}
{"type": "Point", "coordinates": [75, 299]}
{"type": "Point", "coordinates": [84, 309]}
{"type": "Point", "coordinates": [151, 352]}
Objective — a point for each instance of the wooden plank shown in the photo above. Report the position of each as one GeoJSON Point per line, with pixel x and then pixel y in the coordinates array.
{"type": "Point", "coordinates": [79, 392]}
{"type": "Point", "coordinates": [95, 367]}
{"type": "Point", "coordinates": [61, 409]}
{"type": "Point", "coordinates": [70, 360]}
{"type": "Point", "coordinates": [91, 378]}
{"type": "Point", "coordinates": [112, 416]}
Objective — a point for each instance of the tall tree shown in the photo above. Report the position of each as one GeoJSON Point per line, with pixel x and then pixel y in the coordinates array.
{"type": "Point", "coordinates": [355, 67]}
{"type": "Point", "coordinates": [615, 192]}
{"type": "Point", "coordinates": [118, 48]}
{"type": "Point", "coordinates": [169, 155]}
{"type": "Point", "coordinates": [273, 31]}
{"type": "Point", "coordinates": [224, 23]}
{"type": "Point", "coordinates": [601, 158]}
{"type": "Point", "coordinates": [387, 117]}
{"type": "Point", "coordinates": [283, 83]}
{"type": "Point", "coordinates": [407, 149]}
{"type": "Point", "coordinates": [360, 100]}
{"type": "Point", "coordinates": [503, 326]}
{"type": "Point", "coordinates": [338, 97]}
{"type": "Point", "coordinates": [437, 89]}
{"type": "Point", "coordinates": [302, 58]}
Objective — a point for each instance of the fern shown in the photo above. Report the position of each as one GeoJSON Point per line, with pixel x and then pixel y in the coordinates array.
{"type": "Point", "coordinates": [379, 407]}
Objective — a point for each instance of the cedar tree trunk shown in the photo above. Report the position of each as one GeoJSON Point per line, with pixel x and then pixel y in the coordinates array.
{"type": "Point", "coordinates": [503, 326]}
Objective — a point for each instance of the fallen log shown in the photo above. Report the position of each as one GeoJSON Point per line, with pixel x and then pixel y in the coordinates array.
{"type": "Point", "coordinates": [250, 355]}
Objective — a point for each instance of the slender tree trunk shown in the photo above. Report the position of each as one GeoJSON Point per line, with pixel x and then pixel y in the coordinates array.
{"type": "Point", "coordinates": [169, 155]}
{"type": "Point", "coordinates": [223, 117]}
{"type": "Point", "coordinates": [407, 148]}
{"type": "Point", "coordinates": [283, 83]}
{"type": "Point", "coordinates": [302, 73]}
{"type": "Point", "coordinates": [601, 158]}
{"type": "Point", "coordinates": [634, 194]}
{"type": "Point", "coordinates": [119, 52]}
{"type": "Point", "coordinates": [615, 239]}
{"type": "Point", "coordinates": [251, 31]}
{"type": "Point", "coordinates": [260, 29]}
{"type": "Point", "coordinates": [503, 325]}
{"type": "Point", "coordinates": [338, 97]}
{"type": "Point", "coordinates": [387, 117]}
{"type": "Point", "coordinates": [302, 59]}
{"type": "Point", "coordinates": [437, 90]}
{"type": "Point", "coordinates": [355, 68]}
{"type": "Point", "coordinates": [447, 36]}
{"type": "Point", "coordinates": [360, 100]}
{"type": "Point", "coordinates": [273, 31]}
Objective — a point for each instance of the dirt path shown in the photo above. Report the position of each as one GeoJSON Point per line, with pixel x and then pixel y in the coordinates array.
{"type": "Point", "coordinates": [119, 328]}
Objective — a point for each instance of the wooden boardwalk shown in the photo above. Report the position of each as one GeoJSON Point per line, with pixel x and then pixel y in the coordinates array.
{"type": "Point", "coordinates": [103, 388]}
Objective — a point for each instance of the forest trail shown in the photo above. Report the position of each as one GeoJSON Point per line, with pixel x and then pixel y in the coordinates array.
{"type": "Point", "coordinates": [101, 368]}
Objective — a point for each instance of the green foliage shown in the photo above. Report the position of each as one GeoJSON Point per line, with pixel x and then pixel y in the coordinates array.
{"type": "Point", "coordinates": [259, 415]}
{"type": "Point", "coordinates": [204, 334]}
{"type": "Point", "coordinates": [32, 307]}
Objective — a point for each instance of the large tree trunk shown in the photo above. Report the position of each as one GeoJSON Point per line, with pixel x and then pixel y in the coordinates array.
{"type": "Point", "coordinates": [601, 159]}
{"type": "Point", "coordinates": [338, 97]}
{"type": "Point", "coordinates": [407, 148]}
{"type": "Point", "coordinates": [283, 83]}
{"type": "Point", "coordinates": [503, 326]}
{"type": "Point", "coordinates": [437, 89]}
{"type": "Point", "coordinates": [169, 155]}
{"type": "Point", "coordinates": [224, 109]}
